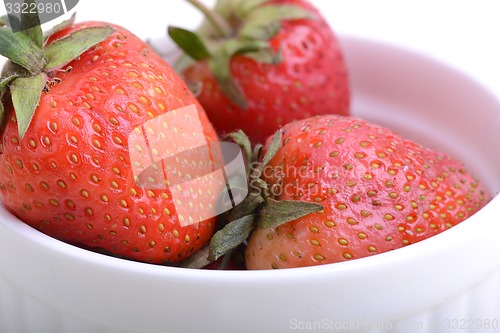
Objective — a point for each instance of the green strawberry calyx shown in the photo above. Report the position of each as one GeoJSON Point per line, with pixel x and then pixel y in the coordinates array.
{"type": "Point", "coordinates": [234, 27]}
{"type": "Point", "coordinates": [259, 209]}
{"type": "Point", "coordinates": [33, 63]}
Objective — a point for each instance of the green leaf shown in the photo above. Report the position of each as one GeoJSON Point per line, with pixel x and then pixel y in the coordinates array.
{"type": "Point", "coordinates": [64, 50]}
{"type": "Point", "coordinates": [219, 64]}
{"type": "Point", "coordinates": [277, 212]}
{"type": "Point", "coordinates": [30, 24]}
{"type": "Point", "coordinates": [240, 46]}
{"type": "Point", "coordinates": [26, 93]}
{"type": "Point", "coordinates": [253, 30]}
{"type": "Point", "coordinates": [59, 27]}
{"type": "Point", "coordinates": [2, 114]}
{"type": "Point", "coordinates": [225, 8]}
{"type": "Point", "coordinates": [257, 152]}
{"type": "Point", "coordinates": [246, 6]}
{"type": "Point", "coordinates": [189, 42]}
{"type": "Point", "coordinates": [4, 21]}
{"type": "Point", "coordinates": [242, 140]}
{"type": "Point", "coordinates": [214, 21]}
{"type": "Point", "coordinates": [248, 206]}
{"type": "Point", "coordinates": [264, 22]}
{"type": "Point", "coordinates": [272, 149]}
{"type": "Point", "coordinates": [266, 56]}
{"type": "Point", "coordinates": [4, 81]}
{"type": "Point", "coordinates": [229, 237]}
{"type": "Point", "coordinates": [21, 50]}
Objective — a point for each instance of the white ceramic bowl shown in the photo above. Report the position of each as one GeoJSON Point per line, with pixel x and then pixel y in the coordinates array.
{"type": "Point", "coordinates": [449, 281]}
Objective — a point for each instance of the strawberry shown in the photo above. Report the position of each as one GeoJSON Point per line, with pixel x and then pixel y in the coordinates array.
{"type": "Point", "coordinates": [71, 102]}
{"type": "Point", "coordinates": [379, 192]}
{"type": "Point", "coordinates": [331, 188]}
{"type": "Point", "coordinates": [259, 64]}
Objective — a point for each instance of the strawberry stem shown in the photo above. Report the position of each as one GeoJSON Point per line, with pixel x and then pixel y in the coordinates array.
{"type": "Point", "coordinates": [222, 28]}
{"type": "Point", "coordinates": [258, 209]}
{"type": "Point", "coordinates": [235, 27]}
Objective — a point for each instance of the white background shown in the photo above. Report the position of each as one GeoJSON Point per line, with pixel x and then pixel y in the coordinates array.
{"type": "Point", "coordinates": [463, 33]}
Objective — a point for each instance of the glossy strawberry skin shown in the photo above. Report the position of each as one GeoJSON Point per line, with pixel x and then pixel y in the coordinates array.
{"type": "Point", "coordinates": [379, 191]}
{"type": "Point", "coordinates": [311, 79]}
{"type": "Point", "coordinates": [70, 176]}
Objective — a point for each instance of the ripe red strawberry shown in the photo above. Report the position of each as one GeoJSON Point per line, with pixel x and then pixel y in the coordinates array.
{"type": "Point", "coordinates": [260, 64]}
{"type": "Point", "coordinates": [65, 163]}
{"type": "Point", "coordinates": [379, 192]}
